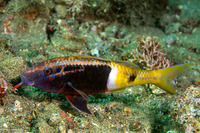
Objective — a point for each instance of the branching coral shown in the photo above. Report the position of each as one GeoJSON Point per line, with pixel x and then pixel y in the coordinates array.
{"type": "Point", "coordinates": [149, 54]}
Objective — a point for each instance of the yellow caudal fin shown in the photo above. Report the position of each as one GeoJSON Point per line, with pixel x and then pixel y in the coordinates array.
{"type": "Point", "coordinates": [164, 77]}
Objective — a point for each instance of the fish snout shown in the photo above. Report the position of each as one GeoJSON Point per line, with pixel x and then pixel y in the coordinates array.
{"type": "Point", "coordinates": [26, 79]}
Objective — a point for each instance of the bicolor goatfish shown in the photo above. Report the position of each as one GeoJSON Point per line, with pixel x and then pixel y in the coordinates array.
{"type": "Point", "coordinates": [77, 77]}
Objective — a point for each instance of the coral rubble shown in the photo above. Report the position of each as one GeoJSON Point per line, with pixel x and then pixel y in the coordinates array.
{"type": "Point", "coordinates": [186, 109]}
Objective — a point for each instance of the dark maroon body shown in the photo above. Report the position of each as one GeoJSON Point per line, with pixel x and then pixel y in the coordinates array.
{"type": "Point", "coordinates": [75, 77]}
{"type": "Point", "coordinates": [90, 79]}
{"type": "Point", "coordinates": [93, 80]}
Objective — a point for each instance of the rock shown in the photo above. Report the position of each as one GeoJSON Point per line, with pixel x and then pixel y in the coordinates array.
{"type": "Point", "coordinates": [62, 127]}
{"type": "Point", "coordinates": [91, 37]}
{"type": "Point", "coordinates": [95, 52]}
{"type": "Point", "coordinates": [196, 82]}
{"type": "Point", "coordinates": [63, 47]}
{"type": "Point", "coordinates": [173, 28]}
{"type": "Point", "coordinates": [45, 128]}
{"type": "Point", "coordinates": [27, 24]}
{"type": "Point", "coordinates": [186, 109]}
{"type": "Point", "coordinates": [53, 108]}
{"type": "Point", "coordinates": [122, 32]}
{"type": "Point", "coordinates": [111, 30]}
{"type": "Point", "coordinates": [61, 11]}
{"type": "Point", "coordinates": [99, 116]}
{"type": "Point", "coordinates": [134, 126]}
{"type": "Point", "coordinates": [63, 115]}
{"type": "Point", "coordinates": [143, 30]}
{"type": "Point", "coordinates": [12, 67]}
{"type": "Point", "coordinates": [1, 110]}
{"type": "Point", "coordinates": [54, 120]}
{"type": "Point", "coordinates": [61, 1]}
{"type": "Point", "coordinates": [17, 106]}
{"type": "Point", "coordinates": [5, 125]}
{"type": "Point", "coordinates": [1, 1]}
{"type": "Point", "coordinates": [127, 110]}
{"type": "Point", "coordinates": [53, 114]}
{"type": "Point", "coordinates": [70, 131]}
{"type": "Point", "coordinates": [156, 90]}
{"type": "Point", "coordinates": [167, 19]}
{"type": "Point", "coordinates": [38, 59]}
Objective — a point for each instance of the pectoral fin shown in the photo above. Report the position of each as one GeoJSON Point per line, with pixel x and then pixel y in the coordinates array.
{"type": "Point", "coordinates": [80, 92]}
{"type": "Point", "coordinates": [78, 102]}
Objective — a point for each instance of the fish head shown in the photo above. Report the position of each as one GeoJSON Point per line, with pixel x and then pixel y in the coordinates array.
{"type": "Point", "coordinates": [40, 76]}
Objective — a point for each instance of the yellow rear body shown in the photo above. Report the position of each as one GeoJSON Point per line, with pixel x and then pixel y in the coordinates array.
{"type": "Point", "coordinates": [162, 78]}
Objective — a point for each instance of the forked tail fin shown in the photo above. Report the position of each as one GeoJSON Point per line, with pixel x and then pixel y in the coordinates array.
{"type": "Point", "coordinates": [164, 77]}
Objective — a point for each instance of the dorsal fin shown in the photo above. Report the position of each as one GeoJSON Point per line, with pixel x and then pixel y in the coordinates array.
{"type": "Point", "coordinates": [128, 64]}
{"type": "Point", "coordinates": [90, 57]}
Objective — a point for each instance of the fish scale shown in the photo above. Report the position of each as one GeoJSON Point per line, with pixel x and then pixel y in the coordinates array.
{"type": "Point", "coordinates": [77, 76]}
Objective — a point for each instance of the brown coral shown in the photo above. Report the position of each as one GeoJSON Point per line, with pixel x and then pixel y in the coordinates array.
{"type": "Point", "coordinates": [149, 54]}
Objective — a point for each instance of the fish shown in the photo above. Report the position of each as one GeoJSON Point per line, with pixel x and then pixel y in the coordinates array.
{"type": "Point", "coordinates": [79, 76]}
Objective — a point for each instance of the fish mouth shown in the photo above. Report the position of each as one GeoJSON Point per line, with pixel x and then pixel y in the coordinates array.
{"type": "Point", "coordinates": [26, 80]}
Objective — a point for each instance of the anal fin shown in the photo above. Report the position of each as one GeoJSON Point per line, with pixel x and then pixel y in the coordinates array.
{"type": "Point", "coordinates": [78, 102]}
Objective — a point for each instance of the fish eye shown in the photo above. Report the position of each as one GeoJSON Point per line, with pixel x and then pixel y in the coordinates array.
{"type": "Point", "coordinates": [48, 71]}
